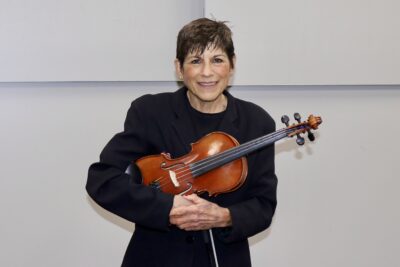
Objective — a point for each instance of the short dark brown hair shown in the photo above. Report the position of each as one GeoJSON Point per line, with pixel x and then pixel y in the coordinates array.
{"type": "Point", "coordinates": [204, 33]}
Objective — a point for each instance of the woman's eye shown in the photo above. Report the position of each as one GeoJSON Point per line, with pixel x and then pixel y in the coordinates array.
{"type": "Point", "coordinates": [218, 60]}
{"type": "Point", "coordinates": [195, 61]}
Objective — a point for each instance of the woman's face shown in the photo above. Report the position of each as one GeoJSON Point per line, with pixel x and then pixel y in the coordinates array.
{"type": "Point", "coordinates": [206, 75]}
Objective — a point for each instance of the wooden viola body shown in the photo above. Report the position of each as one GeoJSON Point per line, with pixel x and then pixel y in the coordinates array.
{"type": "Point", "coordinates": [195, 172]}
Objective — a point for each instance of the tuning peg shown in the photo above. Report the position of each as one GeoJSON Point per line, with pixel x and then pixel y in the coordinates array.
{"type": "Point", "coordinates": [310, 135]}
{"type": "Point", "coordinates": [297, 117]}
{"type": "Point", "coordinates": [285, 120]}
{"type": "Point", "coordinates": [299, 140]}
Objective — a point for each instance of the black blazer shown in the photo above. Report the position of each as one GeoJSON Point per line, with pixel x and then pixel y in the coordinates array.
{"type": "Point", "coordinates": [161, 123]}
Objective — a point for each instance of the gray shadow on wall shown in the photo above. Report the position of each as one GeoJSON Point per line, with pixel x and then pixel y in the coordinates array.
{"type": "Point", "coordinates": [287, 145]}
{"type": "Point", "coordinates": [124, 224]}
{"type": "Point", "coordinates": [261, 236]}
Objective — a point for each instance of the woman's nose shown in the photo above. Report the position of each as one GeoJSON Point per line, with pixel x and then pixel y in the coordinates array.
{"type": "Point", "coordinates": [207, 69]}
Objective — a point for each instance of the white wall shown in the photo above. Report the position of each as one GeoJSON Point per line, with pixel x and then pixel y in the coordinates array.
{"type": "Point", "coordinates": [313, 41]}
{"type": "Point", "coordinates": [91, 40]}
{"type": "Point", "coordinates": [338, 200]}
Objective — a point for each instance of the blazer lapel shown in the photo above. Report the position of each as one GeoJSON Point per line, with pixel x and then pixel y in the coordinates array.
{"type": "Point", "coordinates": [182, 123]}
{"type": "Point", "coordinates": [229, 123]}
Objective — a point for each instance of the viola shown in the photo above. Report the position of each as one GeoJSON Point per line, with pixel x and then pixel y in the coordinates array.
{"type": "Point", "coordinates": [217, 163]}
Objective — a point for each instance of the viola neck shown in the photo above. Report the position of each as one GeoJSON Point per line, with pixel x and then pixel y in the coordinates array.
{"type": "Point", "coordinates": [200, 167]}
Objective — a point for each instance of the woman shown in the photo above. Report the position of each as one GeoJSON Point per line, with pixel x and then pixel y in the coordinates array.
{"type": "Point", "coordinates": [168, 228]}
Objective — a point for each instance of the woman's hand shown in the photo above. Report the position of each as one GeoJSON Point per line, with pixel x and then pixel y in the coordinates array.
{"type": "Point", "coordinates": [180, 201]}
{"type": "Point", "coordinates": [200, 214]}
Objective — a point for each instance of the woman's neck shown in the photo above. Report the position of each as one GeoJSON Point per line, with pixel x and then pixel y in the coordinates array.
{"type": "Point", "coordinates": [216, 106]}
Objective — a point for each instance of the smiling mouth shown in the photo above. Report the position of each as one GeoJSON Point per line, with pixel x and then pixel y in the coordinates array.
{"type": "Point", "coordinates": [207, 83]}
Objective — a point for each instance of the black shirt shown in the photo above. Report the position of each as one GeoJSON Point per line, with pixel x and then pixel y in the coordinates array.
{"type": "Point", "coordinates": [204, 123]}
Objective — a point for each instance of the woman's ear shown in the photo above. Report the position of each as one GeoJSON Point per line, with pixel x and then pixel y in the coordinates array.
{"type": "Point", "coordinates": [234, 61]}
{"type": "Point", "coordinates": [178, 69]}
{"type": "Point", "coordinates": [233, 64]}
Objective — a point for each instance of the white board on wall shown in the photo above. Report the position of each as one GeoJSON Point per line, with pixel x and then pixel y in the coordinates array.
{"type": "Point", "coordinates": [313, 42]}
{"type": "Point", "coordinates": [91, 40]}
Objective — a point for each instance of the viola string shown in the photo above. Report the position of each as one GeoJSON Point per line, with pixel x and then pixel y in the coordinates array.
{"type": "Point", "coordinates": [183, 173]}
{"type": "Point", "coordinates": [234, 150]}
{"type": "Point", "coordinates": [223, 155]}
{"type": "Point", "coordinates": [205, 163]}
{"type": "Point", "coordinates": [246, 146]}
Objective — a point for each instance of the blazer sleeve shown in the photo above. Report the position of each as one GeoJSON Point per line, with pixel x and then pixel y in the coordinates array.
{"type": "Point", "coordinates": [255, 213]}
{"type": "Point", "coordinates": [111, 187]}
